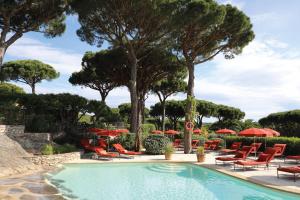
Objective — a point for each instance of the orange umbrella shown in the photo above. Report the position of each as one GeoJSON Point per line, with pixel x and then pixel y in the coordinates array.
{"type": "Point", "coordinates": [225, 131]}
{"type": "Point", "coordinates": [275, 133]}
{"type": "Point", "coordinates": [197, 131]}
{"type": "Point", "coordinates": [157, 132]}
{"type": "Point", "coordinates": [171, 132]}
{"type": "Point", "coordinates": [121, 131]}
{"type": "Point", "coordinates": [255, 132]}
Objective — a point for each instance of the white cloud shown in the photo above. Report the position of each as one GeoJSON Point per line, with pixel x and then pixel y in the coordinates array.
{"type": "Point", "coordinates": [62, 60]}
{"type": "Point", "coordinates": [259, 81]}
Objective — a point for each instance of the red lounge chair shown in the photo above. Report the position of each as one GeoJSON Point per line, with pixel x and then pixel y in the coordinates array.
{"type": "Point", "coordinates": [177, 143]}
{"type": "Point", "coordinates": [292, 170]}
{"type": "Point", "coordinates": [263, 159]}
{"type": "Point", "coordinates": [234, 148]}
{"type": "Point", "coordinates": [256, 147]}
{"type": "Point", "coordinates": [102, 153]}
{"type": "Point", "coordinates": [87, 146]}
{"type": "Point", "coordinates": [102, 143]}
{"type": "Point", "coordinates": [212, 145]}
{"type": "Point", "coordinates": [296, 158]}
{"type": "Point", "coordinates": [240, 155]}
{"type": "Point", "coordinates": [121, 150]}
{"type": "Point", "coordinates": [195, 144]}
{"type": "Point", "coordinates": [280, 148]}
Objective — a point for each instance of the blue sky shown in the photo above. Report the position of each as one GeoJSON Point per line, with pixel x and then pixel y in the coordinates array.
{"type": "Point", "coordinates": [263, 79]}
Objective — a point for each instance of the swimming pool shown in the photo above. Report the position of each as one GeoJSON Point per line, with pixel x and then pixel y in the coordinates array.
{"type": "Point", "coordinates": [156, 181]}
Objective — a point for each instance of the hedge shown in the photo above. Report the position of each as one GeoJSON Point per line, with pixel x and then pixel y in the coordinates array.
{"type": "Point", "coordinates": [293, 143]}
{"type": "Point", "coordinates": [155, 144]}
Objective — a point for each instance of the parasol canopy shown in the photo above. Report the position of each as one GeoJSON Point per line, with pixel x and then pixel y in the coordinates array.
{"type": "Point", "coordinates": [171, 132]}
{"type": "Point", "coordinates": [197, 131]}
{"type": "Point", "coordinates": [157, 132]}
{"type": "Point", "coordinates": [275, 133]}
{"type": "Point", "coordinates": [255, 132]}
{"type": "Point", "coordinates": [225, 131]}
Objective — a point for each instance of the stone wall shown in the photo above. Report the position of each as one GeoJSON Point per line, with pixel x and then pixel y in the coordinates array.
{"type": "Point", "coordinates": [31, 142]}
{"type": "Point", "coordinates": [53, 160]}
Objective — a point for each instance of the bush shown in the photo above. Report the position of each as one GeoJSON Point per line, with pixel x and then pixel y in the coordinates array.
{"type": "Point", "coordinates": [169, 148]}
{"type": "Point", "coordinates": [47, 149]}
{"type": "Point", "coordinates": [155, 144]}
{"type": "Point", "coordinates": [146, 130]}
{"type": "Point", "coordinates": [66, 148]}
{"type": "Point", "coordinates": [293, 143]}
{"type": "Point", "coordinates": [127, 141]}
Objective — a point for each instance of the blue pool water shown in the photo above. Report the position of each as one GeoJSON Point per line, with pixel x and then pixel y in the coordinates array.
{"type": "Point", "coordinates": [156, 181]}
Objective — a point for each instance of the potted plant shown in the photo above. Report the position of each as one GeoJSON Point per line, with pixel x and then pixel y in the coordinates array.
{"type": "Point", "coordinates": [200, 152]}
{"type": "Point", "coordinates": [169, 150]}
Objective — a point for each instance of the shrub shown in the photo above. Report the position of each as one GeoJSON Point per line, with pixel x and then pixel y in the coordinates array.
{"type": "Point", "coordinates": [293, 143]}
{"type": "Point", "coordinates": [169, 149]}
{"type": "Point", "coordinates": [127, 141]}
{"type": "Point", "coordinates": [200, 150]}
{"type": "Point", "coordinates": [66, 148]}
{"type": "Point", "coordinates": [155, 144]}
{"type": "Point", "coordinates": [47, 149]}
{"type": "Point", "coordinates": [146, 130]}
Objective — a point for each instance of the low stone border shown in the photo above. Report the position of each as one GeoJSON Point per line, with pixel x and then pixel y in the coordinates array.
{"type": "Point", "coordinates": [53, 160]}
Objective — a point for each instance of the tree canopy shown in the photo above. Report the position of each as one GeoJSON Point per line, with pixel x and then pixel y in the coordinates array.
{"type": "Point", "coordinates": [133, 25]}
{"type": "Point", "coordinates": [228, 113]}
{"type": "Point", "coordinates": [98, 72]}
{"type": "Point", "coordinates": [204, 109]}
{"type": "Point", "coordinates": [8, 88]}
{"type": "Point", "coordinates": [22, 16]}
{"type": "Point", "coordinates": [29, 72]}
{"type": "Point", "coordinates": [287, 123]}
{"type": "Point", "coordinates": [203, 29]}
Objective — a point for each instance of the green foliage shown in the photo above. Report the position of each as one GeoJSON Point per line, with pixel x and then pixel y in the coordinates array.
{"type": "Point", "coordinates": [169, 149]}
{"type": "Point", "coordinates": [127, 141]}
{"type": "Point", "coordinates": [28, 71]}
{"type": "Point", "coordinates": [287, 123]}
{"type": "Point", "coordinates": [66, 148]}
{"type": "Point", "coordinates": [175, 111]}
{"type": "Point", "coordinates": [228, 113]}
{"type": "Point", "coordinates": [155, 144]}
{"type": "Point", "coordinates": [99, 72]}
{"type": "Point", "coordinates": [10, 89]}
{"type": "Point", "coordinates": [47, 149]}
{"type": "Point", "coordinates": [204, 109]}
{"type": "Point", "coordinates": [293, 143]}
{"type": "Point", "coordinates": [125, 111]}
{"type": "Point", "coordinates": [11, 112]}
{"type": "Point", "coordinates": [200, 150]}
{"type": "Point", "coordinates": [235, 125]}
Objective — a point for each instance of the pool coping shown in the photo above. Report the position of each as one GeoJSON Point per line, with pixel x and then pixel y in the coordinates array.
{"type": "Point", "coordinates": [208, 166]}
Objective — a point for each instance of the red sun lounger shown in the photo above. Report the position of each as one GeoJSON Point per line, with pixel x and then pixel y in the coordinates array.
{"type": "Point", "coordinates": [295, 170]}
{"type": "Point", "coordinates": [263, 159]}
{"type": "Point", "coordinates": [280, 148]}
{"type": "Point", "coordinates": [295, 158]}
{"type": "Point", "coordinates": [212, 145]}
{"type": "Point", "coordinates": [120, 149]}
{"type": "Point", "coordinates": [103, 153]}
{"type": "Point", "coordinates": [240, 155]}
{"type": "Point", "coordinates": [256, 147]}
{"type": "Point", "coordinates": [234, 148]}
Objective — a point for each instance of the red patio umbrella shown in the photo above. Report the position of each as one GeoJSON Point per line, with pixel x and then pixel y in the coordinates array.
{"type": "Point", "coordinates": [157, 132]}
{"type": "Point", "coordinates": [225, 131]}
{"type": "Point", "coordinates": [255, 132]}
{"type": "Point", "coordinates": [197, 131]}
{"type": "Point", "coordinates": [275, 133]}
{"type": "Point", "coordinates": [121, 131]}
{"type": "Point", "coordinates": [171, 132]}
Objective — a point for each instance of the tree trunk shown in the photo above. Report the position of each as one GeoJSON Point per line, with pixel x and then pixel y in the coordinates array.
{"type": "Point", "coordinates": [134, 124]}
{"type": "Point", "coordinates": [103, 96]}
{"type": "Point", "coordinates": [189, 109]}
{"type": "Point", "coordinates": [138, 135]}
{"type": "Point", "coordinates": [143, 112]}
{"type": "Point", "coordinates": [33, 88]}
{"type": "Point", "coordinates": [2, 53]}
{"type": "Point", "coordinates": [163, 103]}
